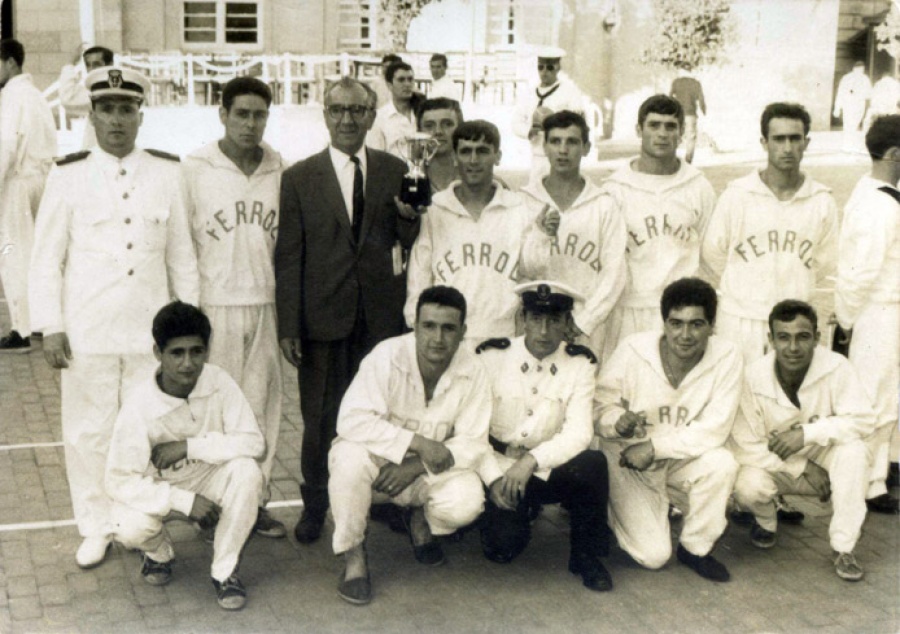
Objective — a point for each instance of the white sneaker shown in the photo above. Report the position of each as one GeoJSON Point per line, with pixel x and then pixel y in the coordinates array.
{"type": "Point", "coordinates": [91, 552]}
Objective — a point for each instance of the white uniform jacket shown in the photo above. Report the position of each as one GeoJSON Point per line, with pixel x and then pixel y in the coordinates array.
{"type": "Point", "coordinates": [833, 409]}
{"type": "Point", "coordinates": [765, 250]}
{"type": "Point", "coordinates": [234, 222]}
{"type": "Point", "coordinates": [112, 246]}
{"type": "Point", "coordinates": [665, 217]}
{"type": "Point", "coordinates": [566, 97]}
{"type": "Point", "coordinates": [27, 130]}
{"type": "Point", "coordinates": [682, 422]}
{"type": "Point", "coordinates": [869, 260]}
{"type": "Point", "coordinates": [542, 407]}
{"type": "Point", "coordinates": [215, 420]}
{"type": "Point", "coordinates": [479, 258]}
{"type": "Point", "coordinates": [385, 405]}
{"type": "Point", "coordinates": [587, 253]}
{"type": "Point", "coordinates": [390, 130]}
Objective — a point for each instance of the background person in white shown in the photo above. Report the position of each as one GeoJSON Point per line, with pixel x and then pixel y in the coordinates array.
{"type": "Point", "coordinates": [853, 93]}
{"type": "Point", "coordinates": [395, 120]}
{"type": "Point", "coordinates": [185, 441]}
{"type": "Point", "coordinates": [540, 431]}
{"type": "Point", "coordinates": [412, 427]}
{"type": "Point", "coordinates": [867, 295]}
{"type": "Point", "coordinates": [74, 95]}
{"type": "Point", "coordinates": [664, 408]}
{"type": "Point", "coordinates": [233, 186]}
{"type": "Point", "coordinates": [27, 148]}
{"type": "Point", "coordinates": [471, 238]}
{"type": "Point", "coordinates": [441, 85]}
{"type": "Point", "coordinates": [550, 95]}
{"type": "Point", "coordinates": [666, 204]}
{"type": "Point", "coordinates": [799, 430]}
{"type": "Point", "coordinates": [112, 245]}
{"type": "Point", "coordinates": [579, 238]}
{"type": "Point", "coordinates": [773, 234]}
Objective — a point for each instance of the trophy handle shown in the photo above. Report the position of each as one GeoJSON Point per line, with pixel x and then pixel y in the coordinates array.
{"type": "Point", "coordinates": [430, 149]}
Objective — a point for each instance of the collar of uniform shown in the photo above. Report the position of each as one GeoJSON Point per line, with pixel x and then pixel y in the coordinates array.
{"type": "Point", "coordinates": [108, 161]}
{"type": "Point", "coordinates": [874, 183]}
{"type": "Point", "coordinates": [753, 183]}
{"type": "Point", "coordinates": [545, 89]}
{"type": "Point", "coordinates": [407, 362]}
{"type": "Point", "coordinates": [213, 154]}
{"type": "Point", "coordinates": [339, 160]}
{"type": "Point", "coordinates": [525, 358]}
{"type": "Point", "coordinates": [503, 199]}
{"type": "Point", "coordinates": [654, 183]}
{"type": "Point", "coordinates": [762, 372]}
{"type": "Point", "coordinates": [646, 346]}
{"type": "Point", "coordinates": [163, 403]}
{"type": "Point", "coordinates": [537, 191]}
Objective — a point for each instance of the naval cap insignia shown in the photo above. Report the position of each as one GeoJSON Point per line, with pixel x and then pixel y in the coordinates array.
{"type": "Point", "coordinates": [543, 292]}
{"type": "Point", "coordinates": [115, 78]}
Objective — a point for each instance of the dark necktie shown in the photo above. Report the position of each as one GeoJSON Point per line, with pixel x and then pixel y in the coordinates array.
{"type": "Point", "coordinates": [541, 96]}
{"type": "Point", "coordinates": [359, 198]}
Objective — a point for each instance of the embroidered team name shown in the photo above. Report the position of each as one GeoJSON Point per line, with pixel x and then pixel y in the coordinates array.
{"type": "Point", "coordinates": [775, 241]}
{"type": "Point", "coordinates": [668, 415]}
{"type": "Point", "coordinates": [482, 255]}
{"type": "Point", "coordinates": [587, 252]}
{"type": "Point", "coordinates": [434, 430]}
{"type": "Point", "coordinates": [652, 230]}
{"type": "Point", "coordinates": [228, 221]}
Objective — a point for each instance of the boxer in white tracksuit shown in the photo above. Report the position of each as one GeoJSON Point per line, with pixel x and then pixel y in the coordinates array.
{"type": "Point", "coordinates": [234, 223]}
{"type": "Point", "coordinates": [867, 293]}
{"type": "Point", "coordinates": [686, 427]}
{"type": "Point", "coordinates": [761, 248]}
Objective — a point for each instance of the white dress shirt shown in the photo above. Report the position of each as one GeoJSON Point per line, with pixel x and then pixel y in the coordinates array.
{"type": "Point", "coordinates": [345, 170]}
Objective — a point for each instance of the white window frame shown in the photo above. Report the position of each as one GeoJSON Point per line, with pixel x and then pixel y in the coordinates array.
{"type": "Point", "coordinates": [220, 44]}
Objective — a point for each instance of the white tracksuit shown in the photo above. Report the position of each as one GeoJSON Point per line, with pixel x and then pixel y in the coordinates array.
{"type": "Point", "coordinates": [587, 253]}
{"type": "Point", "coordinates": [480, 258]}
{"type": "Point", "coordinates": [234, 223]}
{"type": "Point", "coordinates": [867, 299]}
{"type": "Point", "coordinates": [223, 440]}
{"type": "Point", "coordinates": [565, 97]}
{"type": "Point", "coordinates": [761, 250]}
{"type": "Point", "coordinates": [834, 415]}
{"type": "Point", "coordinates": [542, 407]}
{"type": "Point", "coordinates": [665, 217]}
{"type": "Point", "coordinates": [688, 426]}
{"type": "Point", "coordinates": [27, 148]}
{"type": "Point", "coordinates": [112, 246]}
{"type": "Point", "coordinates": [383, 409]}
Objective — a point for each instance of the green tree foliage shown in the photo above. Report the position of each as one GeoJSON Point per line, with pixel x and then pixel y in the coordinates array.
{"type": "Point", "coordinates": [689, 33]}
{"type": "Point", "coordinates": [396, 16]}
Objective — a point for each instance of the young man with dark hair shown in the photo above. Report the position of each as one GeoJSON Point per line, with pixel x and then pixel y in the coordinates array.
{"type": "Point", "coordinates": [379, 85]}
{"type": "Point", "coordinates": [867, 295]}
{"type": "Point", "coordinates": [411, 430]}
{"type": "Point", "coordinates": [440, 117]}
{"type": "Point", "coordinates": [800, 429]}
{"type": "Point", "coordinates": [472, 236]}
{"type": "Point", "coordinates": [666, 203]}
{"type": "Point", "coordinates": [395, 120]}
{"type": "Point", "coordinates": [540, 431]}
{"type": "Point", "coordinates": [441, 85]}
{"type": "Point", "coordinates": [27, 148]}
{"type": "Point", "coordinates": [112, 246]}
{"type": "Point", "coordinates": [580, 237]}
{"type": "Point", "coordinates": [773, 234]}
{"type": "Point", "coordinates": [664, 407]}
{"type": "Point", "coordinates": [185, 441]}
{"type": "Point", "coordinates": [233, 186]}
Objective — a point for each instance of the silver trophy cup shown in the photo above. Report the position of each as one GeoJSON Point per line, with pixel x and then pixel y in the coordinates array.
{"type": "Point", "coordinates": [418, 151]}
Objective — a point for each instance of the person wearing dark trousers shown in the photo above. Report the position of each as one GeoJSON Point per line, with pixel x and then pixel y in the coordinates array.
{"type": "Point", "coordinates": [540, 430]}
{"type": "Point", "coordinates": [340, 283]}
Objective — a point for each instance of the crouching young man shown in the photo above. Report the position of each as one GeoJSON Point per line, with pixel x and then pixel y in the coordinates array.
{"type": "Point", "coordinates": [800, 429]}
{"type": "Point", "coordinates": [412, 427]}
{"type": "Point", "coordinates": [540, 430]}
{"type": "Point", "coordinates": [185, 441]}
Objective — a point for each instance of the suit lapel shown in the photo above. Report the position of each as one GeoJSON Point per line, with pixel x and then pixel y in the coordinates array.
{"type": "Point", "coordinates": [332, 199]}
{"type": "Point", "coordinates": [374, 187]}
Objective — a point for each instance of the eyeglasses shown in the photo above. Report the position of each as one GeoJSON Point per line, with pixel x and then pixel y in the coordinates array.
{"type": "Point", "coordinates": [336, 112]}
{"type": "Point", "coordinates": [546, 66]}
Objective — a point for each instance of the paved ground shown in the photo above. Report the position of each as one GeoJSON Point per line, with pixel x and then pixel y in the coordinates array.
{"type": "Point", "coordinates": [791, 588]}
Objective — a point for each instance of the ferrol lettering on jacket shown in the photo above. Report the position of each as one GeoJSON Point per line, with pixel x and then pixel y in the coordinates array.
{"type": "Point", "coordinates": [775, 241]}
{"type": "Point", "coordinates": [655, 227]}
{"type": "Point", "coordinates": [586, 251]}
{"type": "Point", "coordinates": [225, 221]}
{"type": "Point", "coordinates": [483, 255]}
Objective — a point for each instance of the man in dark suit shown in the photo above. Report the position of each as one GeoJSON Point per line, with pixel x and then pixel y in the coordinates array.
{"type": "Point", "coordinates": [340, 284]}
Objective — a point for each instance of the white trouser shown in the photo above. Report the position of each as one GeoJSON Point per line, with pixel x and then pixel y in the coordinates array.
{"type": "Point", "coordinates": [847, 465]}
{"type": "Point", "coordinates": [233, 485]}
{"type": "Point", "coordinates": [93, 388]}
{"type": "Point", "coordinates": [639, 503]}
{"type": "Point", "coordinates": [245, 344]}
{"type": "Point", "coordinates": [875, 352]}
{"type": "Point", "coordinates": [452, 499]}
{"type": "Point", "coordinates": [20, 197]}
{"type": "Point", "coordinates": [628, 320]}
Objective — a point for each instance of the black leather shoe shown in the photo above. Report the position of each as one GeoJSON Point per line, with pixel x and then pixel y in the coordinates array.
{"type": "Point", "coordinates": [594, 574]}
{"type": "Point", "coordinates": [430, 553]}
{"type": "Point", "coordinates": [884, 504]}
{"type": "Point", "coordinates": [309, 528]}
{"type": "Point", "coordinates": [357, 591]}
{"type": "Point", "coordinates": [707, 566]}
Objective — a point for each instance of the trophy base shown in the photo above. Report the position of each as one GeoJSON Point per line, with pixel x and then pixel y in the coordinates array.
{"type": "Point", "coordinates": [416, 191]}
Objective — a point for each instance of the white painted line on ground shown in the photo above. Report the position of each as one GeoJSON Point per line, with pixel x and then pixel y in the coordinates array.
{"type": "Point", "coordinates": [280, 504]}
{"type": "Point", "coordinates": [34, 526]}
{"type": "Point", "coordinates": [30, 445]}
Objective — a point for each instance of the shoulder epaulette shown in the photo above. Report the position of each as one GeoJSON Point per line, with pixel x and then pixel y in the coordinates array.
{"type": "Point", "coordinates": [890, 191]}
{"type": "Point", "coordinates": [73, 158]}
{"type": "Point", "coordinates": [574, 350]}
{"type": "Point", "coordinates": [501, 343]}
{"type": "Point", "coordinates": [164, 155]}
